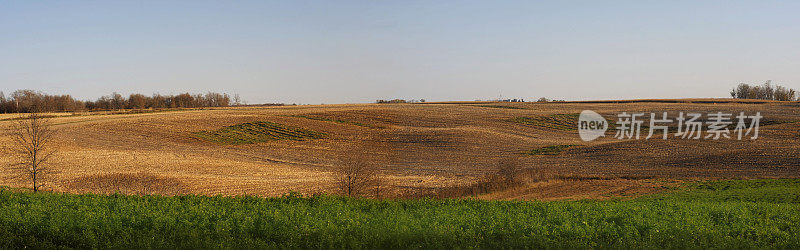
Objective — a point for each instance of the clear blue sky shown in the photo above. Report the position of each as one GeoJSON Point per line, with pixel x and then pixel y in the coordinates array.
{"type": "Point", "coordinates": [359, 51]}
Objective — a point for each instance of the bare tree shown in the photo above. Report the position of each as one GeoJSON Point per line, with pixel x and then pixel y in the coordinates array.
{"type": "Point", "coordinates": [32, 138]}
{"type": "Point", "coordinates": [137, 101]}
{"type": "Point", "coordinates": [359, 172]}
{"type": "Point", "coordinates": [117, 101]}
{"type": "Point", "coordinates": [378, 183]}
{"type": "Point", "coordinates": [355, 176]}
{"type": "Point", "coordinates": [237, 100]}
{"type": "Point", "coordinates": [767, 91]}
{"type": "Point", "coordinates": [509, 170]}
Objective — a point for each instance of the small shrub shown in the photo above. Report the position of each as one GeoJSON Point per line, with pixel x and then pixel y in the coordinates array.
{"type": "Point", "coordinates": [356, 176]}
{"type": "Point", "coordinates": [508, 169]}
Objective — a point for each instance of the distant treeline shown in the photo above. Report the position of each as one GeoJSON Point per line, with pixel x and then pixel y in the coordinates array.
{"type": "Point", "coordinates": [764, 92]}
{"type": "Point", "coordinates": [25, 101]}
{"type": "Point", "coordinates": [399, 101]}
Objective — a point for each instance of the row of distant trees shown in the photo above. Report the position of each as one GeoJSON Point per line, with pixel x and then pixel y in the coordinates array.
{"type": "Point", "coordinates": [399, 101]}
{"type": "Point", "coordinates": [26, 101]}
{"type": "Point", "coordinates": [766, 91]}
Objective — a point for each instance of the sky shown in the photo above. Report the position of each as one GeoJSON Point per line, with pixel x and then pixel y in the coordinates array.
{"type": "Point", "coordinates": [312, 52]}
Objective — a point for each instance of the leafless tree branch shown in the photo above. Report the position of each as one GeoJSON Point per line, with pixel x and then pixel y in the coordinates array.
{"type": "Point", "coordinates": [32, 137]}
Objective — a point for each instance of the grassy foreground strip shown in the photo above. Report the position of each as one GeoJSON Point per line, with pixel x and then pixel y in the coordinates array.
{"type": "Point", "coordinates": [733, 214]}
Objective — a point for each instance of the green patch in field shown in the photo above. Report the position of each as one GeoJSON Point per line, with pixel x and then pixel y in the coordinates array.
{"type": "Point", "coordinates": [336, 120]}
{"type": "Point", "coordinates": [549, 150]}
{"type": "Point", "coordinates": [565, 122]}
{"type": "Point", "coordinates": [255, 132]}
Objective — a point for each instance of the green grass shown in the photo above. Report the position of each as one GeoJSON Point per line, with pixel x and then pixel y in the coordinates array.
{"type": "Point", "coordinates": [548, 150]}
{"type": "Point", "coordinates": [564, 122]}
{"type": "Point", "coordinates": [769, 191]}
{"type": "Point", "coordinates": [255, 132]}
{"type": "Point", "coordinates": [728, 214]}
{"type": "Point", "coordinates": [336, 120]}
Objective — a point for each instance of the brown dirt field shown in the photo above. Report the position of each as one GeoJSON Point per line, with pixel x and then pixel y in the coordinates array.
{"type": "Point", "coordinates": [417, 145]}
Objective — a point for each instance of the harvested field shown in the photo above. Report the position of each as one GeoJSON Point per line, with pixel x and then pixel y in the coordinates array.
{"type": "Point", "coordinates": [549, 150]}
{"type": "Point", "coordinates": [255, 132]}
{"type": "Point", "coordinates": [269, 151]}
{"type": "Point", "coordinates": [126, 183]}
{"type": "Point", "coordinates": [329, 118]}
